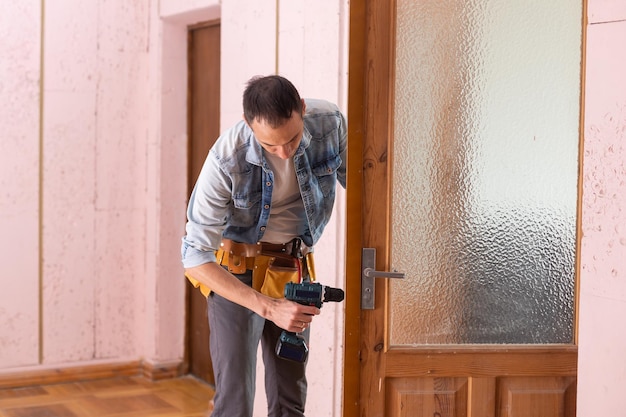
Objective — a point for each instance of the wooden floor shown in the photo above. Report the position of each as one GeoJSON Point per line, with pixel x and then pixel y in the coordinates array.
{"type": "Point", "coordinates": [118, 397]}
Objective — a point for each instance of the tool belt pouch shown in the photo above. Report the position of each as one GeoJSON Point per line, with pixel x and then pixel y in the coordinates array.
{"type": "Point", "coordinates": [277, 275]}
{"type": "Point", "coordinates": [203, 288]}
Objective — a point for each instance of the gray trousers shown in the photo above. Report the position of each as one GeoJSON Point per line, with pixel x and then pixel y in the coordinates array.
{"type": "Point", "coordinates": [235, 333]}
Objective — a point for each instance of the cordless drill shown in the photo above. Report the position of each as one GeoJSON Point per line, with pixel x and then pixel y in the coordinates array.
{"type": "Point", "coordinates": [290, 345]}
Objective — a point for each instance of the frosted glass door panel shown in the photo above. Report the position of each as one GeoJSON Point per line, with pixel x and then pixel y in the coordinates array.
{"type": "Point", "coordinates": [486, 141]}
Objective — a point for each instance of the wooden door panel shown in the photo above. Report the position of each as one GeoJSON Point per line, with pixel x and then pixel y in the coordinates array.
{"type": "Point", "coordinates": [426, 397]}
{"type": "Point", "coordinates": [475, 397]}
{"type": "Point", "coordinates": [537, 397]}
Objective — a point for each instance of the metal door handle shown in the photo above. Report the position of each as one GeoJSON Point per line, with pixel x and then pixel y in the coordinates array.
{"type": "Point", "coordinates": [368, 273]}
{"type": "Point", "coordinates": [372, 273]}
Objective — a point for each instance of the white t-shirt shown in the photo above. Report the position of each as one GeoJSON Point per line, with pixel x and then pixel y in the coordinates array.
{"type": "Point", "coordinates": [287, 216]}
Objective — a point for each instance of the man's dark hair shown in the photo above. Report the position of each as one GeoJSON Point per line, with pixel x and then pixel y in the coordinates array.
{"type": "Point", "coordinates": [271, 99]}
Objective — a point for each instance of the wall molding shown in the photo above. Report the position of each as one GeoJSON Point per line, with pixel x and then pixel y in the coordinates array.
{"type": "Point", "coordinates": [17, 377]}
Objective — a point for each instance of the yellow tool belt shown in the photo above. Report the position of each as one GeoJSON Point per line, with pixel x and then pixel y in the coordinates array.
{"type": "Point", "coordinates": [272, 265]}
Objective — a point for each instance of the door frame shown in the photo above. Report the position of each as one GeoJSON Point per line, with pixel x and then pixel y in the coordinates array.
{"type": "Point", "coordinates": [369, 88]}
{"type": "Point", "coordinates": [369, 58]}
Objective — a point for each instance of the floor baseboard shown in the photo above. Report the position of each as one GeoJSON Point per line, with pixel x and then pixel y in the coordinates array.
{"type": "Point", "coordinates": [155, 372]}
{"type": "Point", "coordinates": [52, 375]}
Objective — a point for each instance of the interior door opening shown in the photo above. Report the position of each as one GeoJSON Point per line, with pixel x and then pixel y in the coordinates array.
{"type": "Point", "coordinates": [204, 129]}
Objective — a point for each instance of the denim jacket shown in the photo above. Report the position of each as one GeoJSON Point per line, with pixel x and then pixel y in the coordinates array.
{"type": "Point", "coordinates": [233, 194]}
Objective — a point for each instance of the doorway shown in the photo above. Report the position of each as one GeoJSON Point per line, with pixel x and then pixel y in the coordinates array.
{"type": "Point", "coordinates": [204, 129]}
{"type": "Point", "coordinates": [465, 333]}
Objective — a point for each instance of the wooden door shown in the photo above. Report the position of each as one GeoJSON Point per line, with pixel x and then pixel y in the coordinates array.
{"type": "Point", "coordinates": [383, 378]}
{"type": "Point", "coordinates": [204, 128]}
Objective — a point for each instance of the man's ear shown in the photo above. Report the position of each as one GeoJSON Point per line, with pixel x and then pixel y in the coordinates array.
{"type": "Point", "coordinates": [303, 106]}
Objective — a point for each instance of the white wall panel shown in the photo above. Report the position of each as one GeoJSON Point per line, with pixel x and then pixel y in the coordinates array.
{"type": "Point", "coordinates": [121, 135]}
{"type": "Point", "coordinates": [248, 49]}
{"type": "Point", "coordinates": [20, 28]}
{"type": "Point", "coordinates": [602, 294]}
{"type": "Point", "coordinates": [310, 46]}
{"type": "Point", "coordinates": [68, 179]}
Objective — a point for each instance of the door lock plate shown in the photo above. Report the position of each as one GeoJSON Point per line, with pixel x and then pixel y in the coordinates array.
{"type": "Point", "coordinates": [368, 273]}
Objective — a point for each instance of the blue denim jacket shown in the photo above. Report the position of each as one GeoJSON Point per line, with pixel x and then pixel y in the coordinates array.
{"type": "Point", "coordinates": [233, 194]}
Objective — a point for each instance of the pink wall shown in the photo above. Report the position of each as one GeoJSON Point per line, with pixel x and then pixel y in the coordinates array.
{"type": "Point", "coordinates": [93, 196]}
{"type": "Point", "coordinates": [602, 339]}
{"type": "Point", "coordinates": [101, 187]}
{"type": "Point", "coordinates": [19, 183]}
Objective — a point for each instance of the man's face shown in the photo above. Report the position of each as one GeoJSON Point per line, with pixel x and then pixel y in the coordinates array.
{"type": "Point", "coordinates": [282, 141]}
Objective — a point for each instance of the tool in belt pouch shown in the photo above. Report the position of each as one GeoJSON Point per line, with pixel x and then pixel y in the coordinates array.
{"type": "Point", "coordinates": [272, 265]}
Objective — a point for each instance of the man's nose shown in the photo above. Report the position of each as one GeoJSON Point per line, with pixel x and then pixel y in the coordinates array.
{"type": "Point", "coordinates": [283, 152]}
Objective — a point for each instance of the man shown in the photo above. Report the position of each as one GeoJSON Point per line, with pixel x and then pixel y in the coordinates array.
{"type": "Point", "coordinates": [262, 200]}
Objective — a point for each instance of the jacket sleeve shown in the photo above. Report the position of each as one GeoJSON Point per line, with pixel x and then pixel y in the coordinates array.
{"type": "Point", "coordinates": [343, 149]}
{"type": "Point", "coordinates": [207, 214]}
